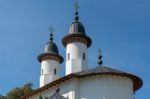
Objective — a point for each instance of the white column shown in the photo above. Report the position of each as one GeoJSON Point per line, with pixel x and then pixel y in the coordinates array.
{"type": "Point", "coordinates": [49, 71]}
{"type": "Point", "coordinates": [76, 57]}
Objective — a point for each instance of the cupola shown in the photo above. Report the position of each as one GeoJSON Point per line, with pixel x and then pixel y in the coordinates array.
{"type": "Point", "coordinates": [76, 43]}
{"type": "Point", "coordinates": [50, 61]}
{"type": "Point", "coordinates": [76, 32]}
{"type": "Point", "coordinates": [50, 52]}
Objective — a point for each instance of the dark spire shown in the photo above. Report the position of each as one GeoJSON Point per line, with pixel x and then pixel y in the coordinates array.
{"type": "Point", "coordinates": [57, 90]}
{"type": "Point", "coordinates": [51, 29]}
{"type": "Point", "coordinates": [51, 51]}
{"type": "Point", "coordinates": [100, 62]}
{"type": "Point", "coordinates": [76, 31]}
{"type": "Point", "coordinates": [57, 95]}
{"type": "Point", "coordinates": [76, 6]}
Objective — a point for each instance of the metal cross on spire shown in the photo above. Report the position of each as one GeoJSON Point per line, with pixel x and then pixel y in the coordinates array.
{"type": "Point", "coordinates": [100, 51]}
{"type": "Point", "coordinates": [51, 30]}
{"type": "Point", "coordinates": [100, 62]}
{"type": "Point", "coordinates": [76, 6]}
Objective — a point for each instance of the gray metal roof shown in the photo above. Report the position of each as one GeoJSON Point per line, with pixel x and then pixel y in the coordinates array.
{"type": "Point", "coordinates": [77, 28]}
{"type": "Point", "coordinates": [51, 47]}
{"type": "Point", "coordinates": [99, 69]}
{"type": "Point", "coordinates": [50, 53]}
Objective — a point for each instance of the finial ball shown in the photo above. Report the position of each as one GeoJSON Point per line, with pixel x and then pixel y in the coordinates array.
{"type": "Point", "coordinates": [51, 30]}
{"type": "Point", "coordinates": [100, 62]}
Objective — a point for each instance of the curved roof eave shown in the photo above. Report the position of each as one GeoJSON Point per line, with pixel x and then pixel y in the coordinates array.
{"type": "Point", "coordinates": [100, 70]}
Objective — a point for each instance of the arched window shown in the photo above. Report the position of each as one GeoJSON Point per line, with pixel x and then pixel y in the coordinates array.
{"type": "Point", "coordinates": [55, 71]}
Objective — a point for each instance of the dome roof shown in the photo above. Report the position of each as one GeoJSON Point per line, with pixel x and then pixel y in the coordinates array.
{"type": "Point", "coordinates": [76, 32]}
{"type": "Point", "coordinates": [50, 53]}
{"type": "Point", "coordinates": [51, 47]}
{"type": "Point", "coordinates": [77, 28]}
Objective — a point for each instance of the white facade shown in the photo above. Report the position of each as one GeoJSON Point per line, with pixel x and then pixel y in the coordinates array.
{"type": "Point", "coordinates": [49, 71]}
{"type": "Point", "coordinates": [111, 87]}
{"type": "Point", "coordinates": [95, 87]}
{"type": "Point", "coordinates": [98, 83]}
{"type": "Point", "coordinates": [76, 59]}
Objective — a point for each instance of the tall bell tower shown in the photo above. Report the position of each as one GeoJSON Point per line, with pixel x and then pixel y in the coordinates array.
{"type": "Point", "coordinates": [76, 43]}
{"type": "Point", "coordinates": [50, 61]}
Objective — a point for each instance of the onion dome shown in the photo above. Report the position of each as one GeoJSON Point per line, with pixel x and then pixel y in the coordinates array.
{"type": "Point", "coordinates": [77, 28]}
{"type": "Point", "coordinates": [51, 47]}
{"type": "Point", "coordinates": [76, 32]}
{"type": "Point", "coordinates": [51, 51]}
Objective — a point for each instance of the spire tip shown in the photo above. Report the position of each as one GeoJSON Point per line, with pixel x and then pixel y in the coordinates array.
{"type": "Point", "coordinates": [51, 30]}
{"type": "Point", "coordinates": [100, 62]}
{"type": "Point", "coordinates": [76, 6]}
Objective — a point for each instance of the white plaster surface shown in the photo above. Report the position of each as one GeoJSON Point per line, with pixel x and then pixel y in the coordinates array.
{"type": "Point", "coordinates": [76, 62]}
{"type": "Point", "coordinates": [47, 71]}
{"type": "Point", "coordinates": [95, 87]}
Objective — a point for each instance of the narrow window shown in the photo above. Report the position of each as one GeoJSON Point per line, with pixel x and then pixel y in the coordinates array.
{"type": "Point", "coordinates": [55, 71]}
{"type": "Point", "coordinates": [68, 56]}
{"type": "Point", "coordinates": [42, 72]}
{"type": "Point", "coordinates": [83, 56]}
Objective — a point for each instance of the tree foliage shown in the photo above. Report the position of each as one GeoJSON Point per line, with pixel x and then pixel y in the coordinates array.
{"type": "Point", "coordinates": [18, 92]}
{"type": "Point", "coordinates": [2, 97]}
{"type": "Point", "coordinates": [40, 97]}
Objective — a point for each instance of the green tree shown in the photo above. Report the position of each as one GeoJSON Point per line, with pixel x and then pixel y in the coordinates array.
{"type": "Point", "coordinates": [19, 91]}
{"type": "Point", "coordinates": [40, 97]}
{"type": "Point", "coordinates": [46, 97]}
{"type": "Point", "coordinates": [2, 97]}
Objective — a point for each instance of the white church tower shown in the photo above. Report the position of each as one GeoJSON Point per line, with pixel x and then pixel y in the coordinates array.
{"type": "Point", "coordinates": [101, 82]}
{"type": "Point", "coordinates": [50, 61]}
{"type": "Point", "coordinates": [76, 43]}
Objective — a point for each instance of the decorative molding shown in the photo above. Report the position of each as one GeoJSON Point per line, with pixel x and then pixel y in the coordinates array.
{"type": "Point", "coordinates": [76, 38]}
{"type": "Point", "coordinates": [137, 82]}
{"type": "Point", "coordinates": [50, 56]}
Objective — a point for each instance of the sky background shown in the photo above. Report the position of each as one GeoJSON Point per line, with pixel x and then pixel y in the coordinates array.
{"type": "Point", "coordinates": [121, 28]}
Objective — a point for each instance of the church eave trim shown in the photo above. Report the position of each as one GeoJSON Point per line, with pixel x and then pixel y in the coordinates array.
{"type": "Point", "coordinates": [77, 38]}
{"type": "Point", "coordinates": [50, 56]}
{"type": "Point", "coordinates": [137, 82]}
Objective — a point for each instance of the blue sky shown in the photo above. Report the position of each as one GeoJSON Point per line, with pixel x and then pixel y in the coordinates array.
{"type": "Point", "coordinates": [121, 28]}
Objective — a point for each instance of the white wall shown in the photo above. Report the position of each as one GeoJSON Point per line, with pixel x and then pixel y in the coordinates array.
{"type": "Point", "coordinates": [95, 87]}
{"type": "Point", "coordinates": [106, 87]}
{"type": "Point", "coordinates": [76, 62]}
{"type": "Point", "coordinates": [47, 71]}
{"type": "Point", "coordinates": [67, 90]}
